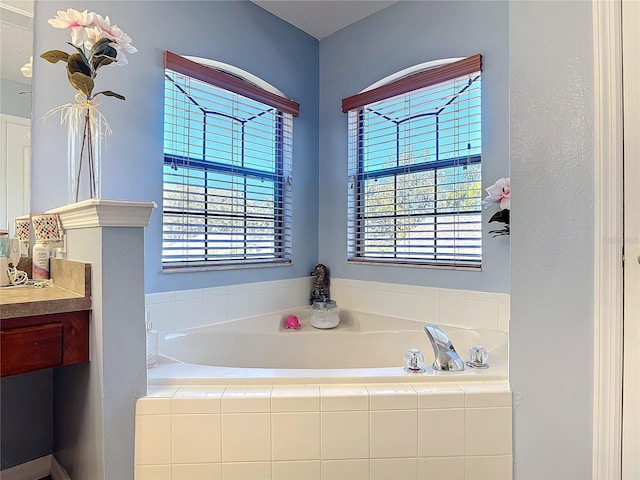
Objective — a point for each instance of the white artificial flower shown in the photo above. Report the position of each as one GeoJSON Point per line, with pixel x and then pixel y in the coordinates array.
{"type": "Point", "coordinates": [76, 22]}
{"type": "Point", "coordinates": [499, 192]}
{"type": "Point", "coordinates": [27, 68]}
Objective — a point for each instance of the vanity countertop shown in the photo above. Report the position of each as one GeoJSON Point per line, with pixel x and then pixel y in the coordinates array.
{"type": "Point", "coordinates": [71, 291]}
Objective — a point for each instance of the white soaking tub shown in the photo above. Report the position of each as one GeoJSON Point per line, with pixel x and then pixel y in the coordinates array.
{"type": "Point", "coordinates": [364, 348]}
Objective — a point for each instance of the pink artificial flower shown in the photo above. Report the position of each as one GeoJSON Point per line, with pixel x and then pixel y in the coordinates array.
{"type": "Point", "coordinates": [76, 22]}
{"type": "Point", "coordinates": [121, 41]}
{"type": "Point", "coordinates": [499, 192]}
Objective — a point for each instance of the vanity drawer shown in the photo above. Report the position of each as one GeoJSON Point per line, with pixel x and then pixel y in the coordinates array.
{"type": "Point", "coordinates": [25, 349]}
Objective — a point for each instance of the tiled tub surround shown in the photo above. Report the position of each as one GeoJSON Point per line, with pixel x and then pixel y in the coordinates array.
{"type": "Point", "coordinates": [440, 425]}
{"type": "Point", "coordinates": [463, 308]}
{"type": "Point", "coordinates": [362, 431]}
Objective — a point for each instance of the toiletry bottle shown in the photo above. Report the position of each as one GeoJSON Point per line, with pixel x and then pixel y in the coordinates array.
{"type": "Point", "coordinates": [152, 344]}
{"type": "Point", "coordinates": [40, 268]}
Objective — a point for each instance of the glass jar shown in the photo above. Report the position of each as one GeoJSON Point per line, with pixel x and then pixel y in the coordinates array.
{"type": "Point", "coordinates": [325, 314]}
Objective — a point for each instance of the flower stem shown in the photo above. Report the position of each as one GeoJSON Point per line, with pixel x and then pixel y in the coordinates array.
{"type": "Point", "coordinates": [92, 178]}
{"type": "Point", "coordinates": [84, 138]}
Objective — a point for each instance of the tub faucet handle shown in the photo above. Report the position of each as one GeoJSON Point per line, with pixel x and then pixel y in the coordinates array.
{"type": "Point", "coordinates": [478, 357]}
{"type": "Point", "coordinates": [414, 361]}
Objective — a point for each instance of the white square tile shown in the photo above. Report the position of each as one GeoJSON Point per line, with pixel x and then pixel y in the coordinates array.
{"type": "Point", "coordinates": [189, 313]}
{"type": "Point", "coordinates": [191, 294]}
{"type": "Point", "coordinates": [153, 406]}
{"type": "Point", "coordinates": [246, 399]}
{"type": "Point", "coordinates": [152, 439]}
{"type": "Point", "coordinates": [394, 434]}
{"type": "Point", "coordinates": [504, 315]}
{"type": "Point", "coordinates": [403, 305]}
{"type": "Point", "coordinates": [394, 469]}
{"type": "Point", "coordinates": [197, 471]}
{"type": "Point", "coordinates": [345, 469]}
{"type": "Point", "coordinates": [246, 437]}
{"type": "Point", "coordinates": [439, 396]}
{"type": "Point", "coordinates": [344, 435]}
{"type": "Point", "coordinates": [195, 438]}
{"type": "Point", "coordinates": [441, 432]}
{"type": "Point", "coordinates": [309, 470]}
{"type": "Point", "coordinates": [214, 309]}
{"type": "Point", "coordinates": [485, 315]}
{"type": "Point", "coordinates": [152, 472]}
{"type": "Point", "coordinates": [162, 316]}
{"type": "Point", "coordinates": [427, 308]}
{"type": "Point", "coordinates": [504, 298]}
{"type": "Point", "coordinates": [392, 397]}
{"type": "Point", "coordinates": [295, 436]}
{"type": "Point", "coordinates": [239, 305]}
{"type": "Point", "coordinates": [485, 297]}
{"type": "Point", "coordinates": [246, 471]}
{"type": "Point", "coordinates": [489, 468]}
{"type": "Point", "coordinates": [454, 311]}
{"type": "Point", "coordinates": [343, 397]}
{"type": "Point", "coordinates": [194, 399]}
{"type": "Point", "coordinates": [162, 297]}
{"type": "Point", "coordinates": [426, 291]}
{"type": "Point", "coordinates": [488, 431]}
{"type": "Point", "coordinates": [454, 294]}
{"type": "Point", "coordinates": [215, 291]}
{"type": "Point", "coordinates": [295, 399]}
{"type": "Point", "coordinates": [487, 394]}
{"type": "Point", "coordinates": [442, 468]}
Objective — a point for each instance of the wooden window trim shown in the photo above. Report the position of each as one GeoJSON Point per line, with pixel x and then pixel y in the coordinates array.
{"type": "Point", "coordinates": [229, 82]}
{"type": "Point", "coordinates": [423, 79]}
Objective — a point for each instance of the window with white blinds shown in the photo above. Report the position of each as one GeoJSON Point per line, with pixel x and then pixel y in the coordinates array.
{"type": "Point", "coordinates": [414, 184]}
{"type": "Point", "coordinates": [227, 169]}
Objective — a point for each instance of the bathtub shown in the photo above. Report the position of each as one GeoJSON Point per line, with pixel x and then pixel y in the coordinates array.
{"type": "Point", "coordinates": [364, 348]}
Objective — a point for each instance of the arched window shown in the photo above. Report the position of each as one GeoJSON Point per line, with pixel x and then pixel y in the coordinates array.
{"type": "Point", "coordinates": [227, 167]}
{"type": "Point", "coordinates": [415, 150]}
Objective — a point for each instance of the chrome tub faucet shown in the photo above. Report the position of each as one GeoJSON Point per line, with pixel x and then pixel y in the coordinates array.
{"type": "Point", "coordinates": [446, 356]}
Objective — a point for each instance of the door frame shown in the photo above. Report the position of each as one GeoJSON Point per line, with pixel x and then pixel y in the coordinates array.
{"type": "Point", "coordinates": [631, 325]}
{"type": "Point", "coordinates": [608, 240]}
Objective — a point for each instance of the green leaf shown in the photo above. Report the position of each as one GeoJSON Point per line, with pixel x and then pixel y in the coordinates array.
{"type": "Point", "coordinates": [55, 56]}
{"type": "Point", "coordinates": [81, 82]}
{"type": "Point", "coordinates": [109, 93]}
{"type": "Point", "coordinates": [81, 52]}
{"type": "Point", "coordinates": [103, 47]}
{"type": "Point", "coordinates": [100, 60]}
{"type": "Point", "coordinates": [76, 63]}
{"type": "Point", "coordinates": [501, 216]}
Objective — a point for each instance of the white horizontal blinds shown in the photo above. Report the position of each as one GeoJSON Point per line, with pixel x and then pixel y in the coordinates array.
{"type": "Point", "coordinates": [227, 177]}
{"type": "Point", "coordinates": [415, 176]}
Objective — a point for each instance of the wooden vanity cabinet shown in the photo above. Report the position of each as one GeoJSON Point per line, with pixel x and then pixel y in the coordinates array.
{"type": "Point", "coordinates": [42, 341]}
{"type": "Point", "coordinates": [46, 327]}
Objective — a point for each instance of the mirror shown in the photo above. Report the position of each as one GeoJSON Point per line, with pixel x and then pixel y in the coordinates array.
{"type": "Point", "coordinates": [16, 40]}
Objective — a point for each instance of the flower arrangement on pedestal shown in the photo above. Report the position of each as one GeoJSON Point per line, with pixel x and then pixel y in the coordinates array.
{"type": "Point", "coordinates": [500, 194]}
{"type": "Point", "coordinates": [97, 44]}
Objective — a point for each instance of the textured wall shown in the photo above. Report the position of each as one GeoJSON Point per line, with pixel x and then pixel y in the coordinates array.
{"type": "Point", "coordinates": [238, 33]}
{"type": "Point", "coordinates": [363, 53]}
{"type": "Point", "coordinates": [551, 331]}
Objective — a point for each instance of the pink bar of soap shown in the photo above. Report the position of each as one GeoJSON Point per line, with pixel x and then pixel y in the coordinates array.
{"type": "Point", "coordinates": [292, 322]}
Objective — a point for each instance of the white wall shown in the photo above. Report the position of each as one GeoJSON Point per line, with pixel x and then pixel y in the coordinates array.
{"type": "Point", "coordinates": [552, 158]}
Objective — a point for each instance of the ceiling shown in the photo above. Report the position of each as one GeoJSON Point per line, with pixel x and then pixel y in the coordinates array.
{"type": "Point", "coordinates": [318, 18]}
{"type": "Point", "coordinates": [321, 18]}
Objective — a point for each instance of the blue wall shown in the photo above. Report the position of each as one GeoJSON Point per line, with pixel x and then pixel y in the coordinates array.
{"type": "Point", "coordinates": [239, 33]}
{"type": "Point", "coordinates": [15, 98]}
{"type": "Point", "coordinates": [406, 34]}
